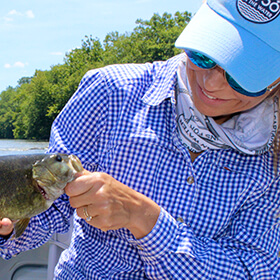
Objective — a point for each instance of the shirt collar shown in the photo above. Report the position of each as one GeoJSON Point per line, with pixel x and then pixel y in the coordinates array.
{"type": "Point", "coordinates": [163, 86]}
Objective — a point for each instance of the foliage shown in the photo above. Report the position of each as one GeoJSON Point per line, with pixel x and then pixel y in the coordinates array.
{"type": "Point", "coordinates": [28, 110]}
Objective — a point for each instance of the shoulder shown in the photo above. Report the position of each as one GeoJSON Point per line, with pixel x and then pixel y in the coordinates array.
{"type": "Point", "coordinates": [119, 75]}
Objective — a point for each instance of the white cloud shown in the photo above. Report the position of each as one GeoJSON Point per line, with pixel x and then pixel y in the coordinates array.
{"type": "Point", "coordinates": [30, 14]}
{"type": "Point", "coordinates": [8, 19]}
{"type": "Point", "coordinates": [14, 13]}
{"type": "Point", "coordinates": [17, 64]}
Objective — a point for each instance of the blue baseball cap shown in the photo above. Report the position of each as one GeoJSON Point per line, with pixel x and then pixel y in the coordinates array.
{"type": "Point", "coordinates": [241, 36]}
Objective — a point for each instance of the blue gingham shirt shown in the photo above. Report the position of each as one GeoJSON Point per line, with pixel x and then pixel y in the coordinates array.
{"type": "Point", "coordinates": [218, 213]}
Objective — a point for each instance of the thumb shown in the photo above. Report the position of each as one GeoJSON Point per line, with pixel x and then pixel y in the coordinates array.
{"type": "Point", "coordinates": [6, 227]}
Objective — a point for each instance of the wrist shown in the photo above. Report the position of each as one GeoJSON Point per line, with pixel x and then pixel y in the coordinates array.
{"type": "Point", "coordinates": [144, 217]}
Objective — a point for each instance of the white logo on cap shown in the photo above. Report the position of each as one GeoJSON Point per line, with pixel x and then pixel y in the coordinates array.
{"type": "Point", "coordinates": [259, 11]}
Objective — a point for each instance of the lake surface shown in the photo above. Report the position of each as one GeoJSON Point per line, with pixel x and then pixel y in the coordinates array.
{"type": "Point", "coordinates": [15, 147]}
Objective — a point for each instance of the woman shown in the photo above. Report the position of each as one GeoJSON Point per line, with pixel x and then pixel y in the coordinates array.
{"type": "Point", "coordinates": [180, 181]}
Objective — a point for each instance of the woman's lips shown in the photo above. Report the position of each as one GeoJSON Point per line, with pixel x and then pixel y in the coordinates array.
{"type": "Point", "coordinates": [209, 96]}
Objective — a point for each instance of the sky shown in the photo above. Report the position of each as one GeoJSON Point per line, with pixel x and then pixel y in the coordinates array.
{"type": "Point", "coordinates": [36, 34]}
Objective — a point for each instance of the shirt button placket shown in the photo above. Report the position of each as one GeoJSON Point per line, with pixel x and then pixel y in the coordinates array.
{"type": "Point", "coordinates": [190, 181]}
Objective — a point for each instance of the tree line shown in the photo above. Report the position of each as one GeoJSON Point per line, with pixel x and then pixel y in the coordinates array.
{"type": "Point", "coordinates": [28, 110]}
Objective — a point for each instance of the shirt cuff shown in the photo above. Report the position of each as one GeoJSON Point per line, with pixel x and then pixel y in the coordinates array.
{"type": "Point", "coordinates": [4, 240]}
{"type": "Point", "coordinates": [158, 241]}
{"type": "Point", "coordinates": [4, 252]}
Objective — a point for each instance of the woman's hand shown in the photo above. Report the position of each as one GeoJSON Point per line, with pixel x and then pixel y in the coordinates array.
{"type": "Point", "coordinates": [6, 227]}
{"type": "Point", "coordinates": [107, 204]}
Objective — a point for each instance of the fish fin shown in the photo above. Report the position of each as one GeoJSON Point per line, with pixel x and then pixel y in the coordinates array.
{"type": "Point", "coordinates": [20, 226]}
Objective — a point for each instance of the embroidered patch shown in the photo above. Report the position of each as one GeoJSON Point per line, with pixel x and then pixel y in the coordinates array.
{"type": "Point", "coordinates": [259, 11]}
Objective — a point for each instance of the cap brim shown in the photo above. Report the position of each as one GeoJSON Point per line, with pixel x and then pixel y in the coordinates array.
{"type": "Point", "coordinates": [250, 61]}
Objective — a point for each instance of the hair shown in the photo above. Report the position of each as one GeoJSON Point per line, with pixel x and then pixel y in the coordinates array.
{"type": "Point", "coordinates": [276, 144]}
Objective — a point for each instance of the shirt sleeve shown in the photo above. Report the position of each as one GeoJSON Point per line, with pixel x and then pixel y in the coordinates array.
{"type": "Point", "coordinates": [78, 128]}
{"type": "Point", "coordinates": [40, 229]}
{"type": "Point", "coordinates": [247, 249]}
{"type": "Point", "coordinates": [82, 115]}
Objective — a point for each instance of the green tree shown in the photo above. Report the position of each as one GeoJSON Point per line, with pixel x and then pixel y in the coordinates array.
{"type": "Point", "coordinates": [155, 38]}
{"type": "Point", "coordinates": [151, 40]}
{"type": "Point", "coordinates": [21, 119]}
{"type": "Point", "coordinates": [28, 110]}
{"type": "Point", "coordinates": [90, 55]}
{"type": "Point", "coordinates": [119, 48]}
{"type": "Point", "coordinates": [7, 112]}
{"type": "Point", "coordinates": [36, 122]}
{"type": "Point", "coordinates": [24, 80]}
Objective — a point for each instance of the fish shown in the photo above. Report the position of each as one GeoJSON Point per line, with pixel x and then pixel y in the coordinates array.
{"type": "Point", "coordinates": [29, 184]}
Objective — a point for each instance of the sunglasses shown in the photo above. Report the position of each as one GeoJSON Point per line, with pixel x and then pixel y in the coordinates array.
{"type": "Point", "coordinates": [205, 62]}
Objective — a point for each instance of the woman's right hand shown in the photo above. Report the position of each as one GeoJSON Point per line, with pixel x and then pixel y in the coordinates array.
{"type": "Point", "coordinates": [6, 227]}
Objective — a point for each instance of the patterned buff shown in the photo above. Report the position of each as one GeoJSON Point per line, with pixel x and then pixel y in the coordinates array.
{"type": "Point", "coordinates": [246, 132]}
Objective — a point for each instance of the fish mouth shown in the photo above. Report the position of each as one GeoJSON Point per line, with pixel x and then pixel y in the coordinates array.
{"type": "Point", "coordinates": [42, 191]}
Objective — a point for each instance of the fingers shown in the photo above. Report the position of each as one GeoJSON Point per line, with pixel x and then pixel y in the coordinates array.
{"type": "Point", "coordinates": [6, 227]}
{"type": "Point", "coordinates": [87, 216]}
{"type": "Point", "coordinates": [102, 220]}
{"type": "Point", "coordinates": [108, 204]}
{"type": "Point", "coordinates": [86, 212]}
{"type": "Point", "coordinates": [81, 184]}
{"type": "Point", "coordinates": [88, 189]}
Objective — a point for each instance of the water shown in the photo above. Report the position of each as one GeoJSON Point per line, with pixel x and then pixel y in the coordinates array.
{"type": "Point", "coordinates": [18, 147]}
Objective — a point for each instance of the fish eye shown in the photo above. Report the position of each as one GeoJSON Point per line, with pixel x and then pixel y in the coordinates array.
{"type": "Point", "coordinates": [58, 158]}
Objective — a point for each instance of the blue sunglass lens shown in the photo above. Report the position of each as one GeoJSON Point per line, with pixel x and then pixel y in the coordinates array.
{"type": "Point", "coordinates": [241, 90]}
{"type": "Point", "coordinates": [205, 62]}
{"type": "Point", "coordinates": [200, 60]}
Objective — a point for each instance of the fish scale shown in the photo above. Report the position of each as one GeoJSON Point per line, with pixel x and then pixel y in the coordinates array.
{"type": "Point", "coordinates": [29, 184]}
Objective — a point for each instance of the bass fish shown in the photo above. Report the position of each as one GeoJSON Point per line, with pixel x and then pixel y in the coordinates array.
{"type": "Point", "coordinates": [29, 184]}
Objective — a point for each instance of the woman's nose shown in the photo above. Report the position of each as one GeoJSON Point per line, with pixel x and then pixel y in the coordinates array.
{"type": "Point", "coordinates": [214, 79]}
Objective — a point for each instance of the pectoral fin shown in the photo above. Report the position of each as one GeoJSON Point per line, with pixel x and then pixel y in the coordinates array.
{"type": "Point", "coordinates": [20, 226]}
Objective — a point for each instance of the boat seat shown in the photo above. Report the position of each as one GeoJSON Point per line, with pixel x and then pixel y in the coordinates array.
{"type": "Point", "coordinates": [31, 272]}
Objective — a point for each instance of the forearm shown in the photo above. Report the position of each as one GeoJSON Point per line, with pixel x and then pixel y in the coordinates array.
{"type": "Point", "coordinates": [143, 214]}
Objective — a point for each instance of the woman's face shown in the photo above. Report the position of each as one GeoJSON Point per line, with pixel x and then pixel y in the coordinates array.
{"type": "Point", "coordinates": [213, 96]}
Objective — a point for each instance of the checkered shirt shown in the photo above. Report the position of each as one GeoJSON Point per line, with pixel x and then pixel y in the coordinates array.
{"type": "Point", "coordinates": [218, 213]}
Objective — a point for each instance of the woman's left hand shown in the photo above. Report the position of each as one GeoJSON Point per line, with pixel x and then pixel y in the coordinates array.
{"type": "Point", "coordinates": [107, 204]}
